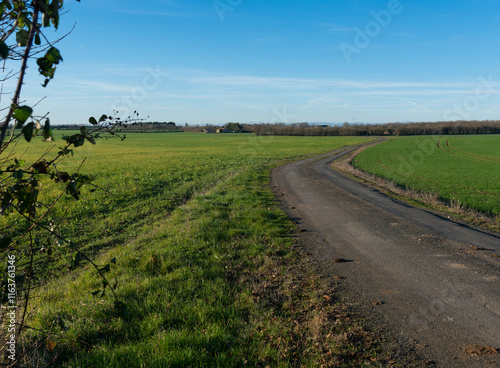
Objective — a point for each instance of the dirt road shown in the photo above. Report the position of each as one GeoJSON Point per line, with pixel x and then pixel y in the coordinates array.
{"type": "Point", "coordinates": [431, 283]}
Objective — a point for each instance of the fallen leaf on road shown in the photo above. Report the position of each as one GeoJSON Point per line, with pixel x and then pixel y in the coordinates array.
{"type": "Point", "coordinates": [480, 350]}
{"type": "Point", "coordinates": [478, 248]}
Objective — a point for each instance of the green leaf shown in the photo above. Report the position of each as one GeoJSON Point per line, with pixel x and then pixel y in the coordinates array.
{"type": "Point", "coordinates": [80, 141]}
{"type": "Point", "coordinates": [82, 179]}
{"type": "Point", "coordinates": [54, 55]}
{"type": "Point", "coordinates": [18, 174]}
{"type": "Point", "coordinates": [77, 258]}
{"type": "Point", "coordinates": [28, 131]}
{"type": "Point", "coordinates": [38, 41]}
{"type": "Point", "coordinates": [102, 118]}
{"type": "Point", "coordinates": [5, 242]}
{"type": "Point", "coordinates": [4, 50]}
{"type": "Point", "coordinates": [47, 131]}
{"type": "Point", "coordinates": [46, 64]}
{"type": "Point", "coordinates": [73, 191]}
{"type": "Point", "coordinates": [46, 20]}
{"type": "Point", "coordinates": [55, 20]}
{"type": "Point", "coordinates": [63, 177]}
{"type": "Point", "coordinates": [24, 21]}
{"type": "Point", "coordinates": [22, 37]}
{"type": "Point", "coordinates": [92, 121]}
{"type": "Point", "coordinates": [91, 139]}
{"type": "Point", "coordinates": [22, 113]}
{"type": "Point", "coordinates": [113, 261]}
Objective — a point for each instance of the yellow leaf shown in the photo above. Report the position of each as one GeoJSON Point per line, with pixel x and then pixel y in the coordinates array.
{"type": "Point", "coordinates": [51, 345]}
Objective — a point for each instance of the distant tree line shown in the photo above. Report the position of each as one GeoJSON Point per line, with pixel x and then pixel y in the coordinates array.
{"type": "Point", "coordinates": [140, 127]}
{"type": "Point", "coordinates": [389, 129]}
{"type": "Point", "coordinates": [151, 127]}
{"type": "Point", "coordinates": [306, 129]}
{"type": "Point", "coordinates": [230, 127]}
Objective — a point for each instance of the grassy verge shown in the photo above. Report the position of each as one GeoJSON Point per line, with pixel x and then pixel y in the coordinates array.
{"type": "Point", "coordinates": [206, 271]}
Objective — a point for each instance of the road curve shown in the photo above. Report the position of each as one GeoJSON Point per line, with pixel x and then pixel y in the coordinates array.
{"type": "Point", "coordinates": [432, 283]}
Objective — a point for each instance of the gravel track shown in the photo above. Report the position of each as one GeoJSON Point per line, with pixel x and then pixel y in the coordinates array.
{"type": "Point", "coordinates": [431, 284]}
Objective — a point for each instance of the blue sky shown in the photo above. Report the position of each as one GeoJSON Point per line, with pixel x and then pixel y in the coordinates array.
{"type": "Point", "coordinates": [206, 61]}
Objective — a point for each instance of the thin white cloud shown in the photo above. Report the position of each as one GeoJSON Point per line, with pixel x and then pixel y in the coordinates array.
{"type": "Point", "coordinates": [243, 80]}
{"type": "Point", "coordinates": [316, 83]}
{"type": "Point", "coordinates": [96, 85]}
{"type": "Point", "coordinates": [87, 97]}
{"type": "Point", "coordinates": [335, 28]}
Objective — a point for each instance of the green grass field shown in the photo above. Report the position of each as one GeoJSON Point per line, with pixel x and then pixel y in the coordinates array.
{"type": "Point", "coordinates": [460, 169]}
{"type": "Point", "coordinates": [204, 261]}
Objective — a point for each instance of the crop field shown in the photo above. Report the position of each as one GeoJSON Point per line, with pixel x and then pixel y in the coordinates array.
{"type": "Point", "coordinates": [197, 243]}
{"type": "Point", "coordinates": [459, 169]}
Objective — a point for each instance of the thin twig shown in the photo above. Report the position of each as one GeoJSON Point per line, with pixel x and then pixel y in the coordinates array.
{"type": "Point", "coordinates": [24, 65]}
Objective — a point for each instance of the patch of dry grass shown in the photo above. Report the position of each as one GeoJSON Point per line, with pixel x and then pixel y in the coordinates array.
{"type": "Point", "coordinates": [319, 327]}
